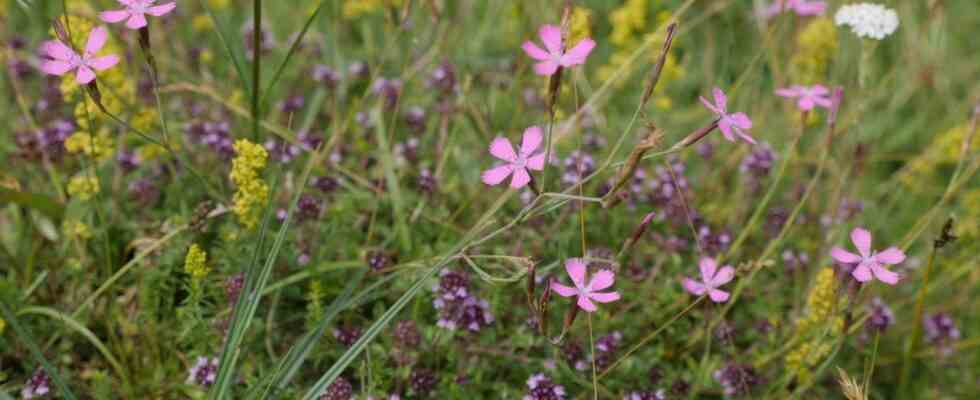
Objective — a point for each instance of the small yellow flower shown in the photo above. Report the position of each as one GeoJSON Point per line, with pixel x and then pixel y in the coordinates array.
{"type": "Point", "coordinates": [195, 263]}
{"type": "Point", "coordinates": [580, 25]}
{"type": "Point", "coordinates": [202, 23]}
{"type": "Point", "coordinates": [249, 161]}
{"type": "Point", "coordinates": [816, 47]}
{"type": "Point", "coordinates": [83, 186]}
{"type": "Point", "coordinates": [219, 4]}
{"type": "Point", "coordinates": [99, 146]}
{"type": "Point", "coordinates": [76, 229]}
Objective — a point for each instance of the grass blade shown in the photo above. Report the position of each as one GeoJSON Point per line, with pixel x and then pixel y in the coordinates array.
{"type": "Point", "coordinates": [236, 61]}
{"type": "Point", "coordinates": [25, 336]}
{"type": "Point", "coordinates": [292, 49]}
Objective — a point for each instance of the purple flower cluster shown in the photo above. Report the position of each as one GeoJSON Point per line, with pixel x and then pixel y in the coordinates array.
{"type": "Point", "coordinates": [458, 308]}
{"type": "Point", "coordinates": [423, 381]}
{"type": "Point", "coordinates": [340, 389]}
{"type": "Point", "coordinates": [880, 317]}
{"type": "Point", "coordinates": [215, 135]}
{"type": "Point", "coordinates": [540, 387]}
{"type": "Point", "coordinates": [347, 335]}
{"type": "Point", "coordinates": [605, 349]}
{"type": "Point", "coordinates": [737, 379]}
{"type": "Point", "coordinates": [47, 143]}
{"type": "Point", "coordinates": [578, 165]}
{"type": "Point", "coordinates": [572, 353]}
{"type": "Point", "coordinates": [941, 331]}
{"type": "Point", "coordinates": [646, 395]}
{"type": "Point", "coordinates": [39, 385]}
{"type": "Point", "coordinates": [204, 372]}
{"type": "Point", "coordinates": [757, 165]}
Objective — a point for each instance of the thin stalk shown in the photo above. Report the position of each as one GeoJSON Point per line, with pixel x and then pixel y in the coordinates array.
{"type": "Point", "coordinates": [256, 67]}
{"type": "Point", "coordinates": [913, 340]}
{"type": "Point", "coordinates": [595, 380]}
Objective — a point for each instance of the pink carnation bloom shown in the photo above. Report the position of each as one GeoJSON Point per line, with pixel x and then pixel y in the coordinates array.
{"type": "Point", "coordinates": [803, 8]}
{"type": "Point", "coordinates": [869, 263]}
{"type": "Point", "coordinates": [517, 163]}
{"type": "Point", "coordinates": [587, 292]}
{"type": "Point", "coordinates": [60, 58]}
{"type": "Point", "coordinates": [809, 96]}
{"type": "Point", "coordinates": [135, 11]}
{"type": "Point", "coordinates": [555, 56]}
{"type": "Point", "coordinates": [711, 279]}
{"type": "Point", "coordinates": [736, 122]}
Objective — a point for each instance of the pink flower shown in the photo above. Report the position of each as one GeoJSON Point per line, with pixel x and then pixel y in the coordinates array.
{"type": "Point", "coordinates": [135, 11]}
{"type": "Point", "coordinates": [869, 263]}
{"type": "Point", "coordinates": [587, 293]}
{"type": "Point", "coordinates": [711, 279]}
{"type": "Point", "coordinates": [60, 58]}
{"type": "Point", "coordinates": [517, 163]}
{"type": "Point", "coordinates": [555, 56]}
{"type": "Point", "coordinates": [729, 122]}
{"type": "Point", "coordinates": [809, 96]}
{"type": "Point", "coordinates": [802, 8]}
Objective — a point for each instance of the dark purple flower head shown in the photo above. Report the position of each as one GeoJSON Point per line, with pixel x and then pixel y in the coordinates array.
{"type": "Point", "coordinates": [204, 372]}
{"type": "Point", "coordinates": [389, 90]}
{"type": "Point", "coordinates": [443, 78]}
{"type": "Point", "coordinates": [415, 119]}
{"type": "Point", "coordinates": [266, 41]}
{"type": "Point", "coordinates": [379, 260]}
{"type": "Point", "coordinates": [572, 353]}
{"type": "Point", "coordinates": [39, 385]}
{"type": "Point", "coordinates": [795, 260]}
{"type": "Point", "coordinates": [340, 389]}
{"type": "Point", "coordinates": [144, 191]}
{"type": "Point", "coordinates": [578, 165]}
{"type": "Point", "coordinates": [646, 395]}
{"type": "Point", "coordinates": [326, 184]}
{"type": "Point", "coordinates": [282, 151]}
{"type": "Point", "coordinates": [541, 387]}
{"type": "Point", "coordinates": [347, 335]}
{"type": "Point", "coordinates": [453, 285]}
{"type": "Point", "coordinates": [127, 160]}
{"type": "Point", "coordinates": [423, 381]}
{"type": "Point", "coordinates": [292, 104]}
{"type": "Point", "coordinates": [408, 151]}
{"type": "Point", "coordinates": [407, 334]}
{"type": "Point", "coordinates": [215, 135]}
{"type": "Point", "coordinates": [880, 316]}
{"type": "Point", "coordinates": [426, 182]}
{"type": "Point", "coordinates": [359, 70]}
{"type": "Point", "coordinates": [233, 287]}
{"type": "Point", "coordinates": [714, 243]}
{"type": "Point", "coordinates": [308, 207]}
{"type": "Point", "coordinates": [737, 379]}
{"type": "Point", "coordinates": [941, 331]}
{"type": "Point", "coordinates": [326, 75]}
{"type": "Point", "coordinates": [680, 387]}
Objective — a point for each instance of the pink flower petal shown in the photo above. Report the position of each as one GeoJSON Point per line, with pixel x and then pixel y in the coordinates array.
{"type": "Point", "coordinates": [54, 67]}
{"type": "Point", "coordinates": [741, 120]}
{"type": "Point", "coordinates": [531, 140]}
{"type": "Point", "coordinates": [551, 36]}
{"type": "Point", "coordinates": [575, 267]}
{"type": "Point", "coordinates": [501, 148]}
{"type": "Point", "coordinates": [721, 101]}
{"type": "Point", "coordinates": [844, 256]}
{"type": "Point", "coordinates": [862, 240]}
{"type": "Point", "coordinates": [788, 92]}
{"type": "Point", "coordinates": [496, 175]}
{"type": "Point", "coordinates": [745, 136]}
{"type": "Point", "coordinates": [891, 255]}
{"type": "Point", "coordinates": [586, 304]}
{"type": "Point", "coordinates": [810, 9]}
{"type": "Point", "coordinates": [96, 39]}
{"type": "Point", "coordinates": [604, 297]}
{"type": "Point", "coordinates": [136, 21]}
{"type": "Point", "coordinates": [520, 179]}
{"type": "Point", "coordinates": [724, 275]}
{"type": "Point", "coordinates": [160, 10]}
{"type": "Point", "coordinates": [819, 90]}
{"type": "Point", "coordinates": [562, 290]}
{"type": "Point", "coordinates": [693, 287]}
{"type": "Point", "coordinates": [57, 50]}
{"type": "Point", "coordinates": [718, 296]}
{"type": "Point", "coordinates": [805, 103]}
{"type": "Point", "coordinates": [114, 16]}
{"type": "Point", "coordinates": [884, 275]}
{"type": "Point", "coordinates": [536, 162]}
{"type": "Point", "coordinates": [862, 273]}
{"type": "Point", "coordinates": [601, 280]}
{"type": "Point", "coordinates": [709, 105]}
{"type": "Point", "coordinates": [85, 75]}
{"type": "Point", "coordinates": [824, 102]}
{"type": "Point", "coordinates": [545, 68]}
{"type": "Point", "coordinates": [535, 52]}
{"type": "Point", "coordinates": [725, 126]}
{"type": "Point", "coordinates": [708, 267]}
{"type": "Point", "coordinates": [577, 55]}
{"type": "Point", "coordinates": [103, 63]}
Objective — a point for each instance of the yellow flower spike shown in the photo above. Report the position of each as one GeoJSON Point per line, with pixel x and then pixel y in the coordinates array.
{"type": "Point", "coordinates": [580, 25]}
{"type": "Point", "coordinates": [83, 186]}
{"type": "Point", "coordinates": [249, 161]}
{"type": "Point", "coordinates": [195, 263]}
{"type": "Point", "coordinates": [76, 229]}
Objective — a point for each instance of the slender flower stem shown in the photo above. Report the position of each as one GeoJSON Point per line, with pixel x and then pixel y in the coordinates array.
{"type": "Point", "coordinates": [256, 67]}
{"type": "Point", "coordinates": [595, 380]}
{"type": "Point", "coordinates": [913, 339]}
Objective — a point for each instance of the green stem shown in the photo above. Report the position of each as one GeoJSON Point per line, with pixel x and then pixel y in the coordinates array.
{"type": "Point", "coordinates": [916, 327]}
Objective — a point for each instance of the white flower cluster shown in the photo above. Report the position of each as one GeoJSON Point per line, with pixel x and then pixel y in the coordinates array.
{"type": "Point", "coordinates": [868, 20]}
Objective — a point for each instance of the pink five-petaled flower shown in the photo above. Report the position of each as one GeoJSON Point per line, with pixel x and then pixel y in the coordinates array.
{"type": "Point", "coordinates": [555, 55]}
{"type": "Point", "coordinates": [135, 11]}
{"type": "Point", "coordinates": [869, 263]}
{"type": "Point", "coordinates": [61, 58]}
{"type": "Point", "coordinates": [802, 8]}
{"type": "Point", "coordinates": [809, 96]}
{"type": "Point", "coordinates": [517, 163]}
{"type": "Point", "coordinates": [587, 292]}
{"type": "Point", "coordinates": [711, 279]}
{"type": "Point", "coordinates": [737, 122]}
